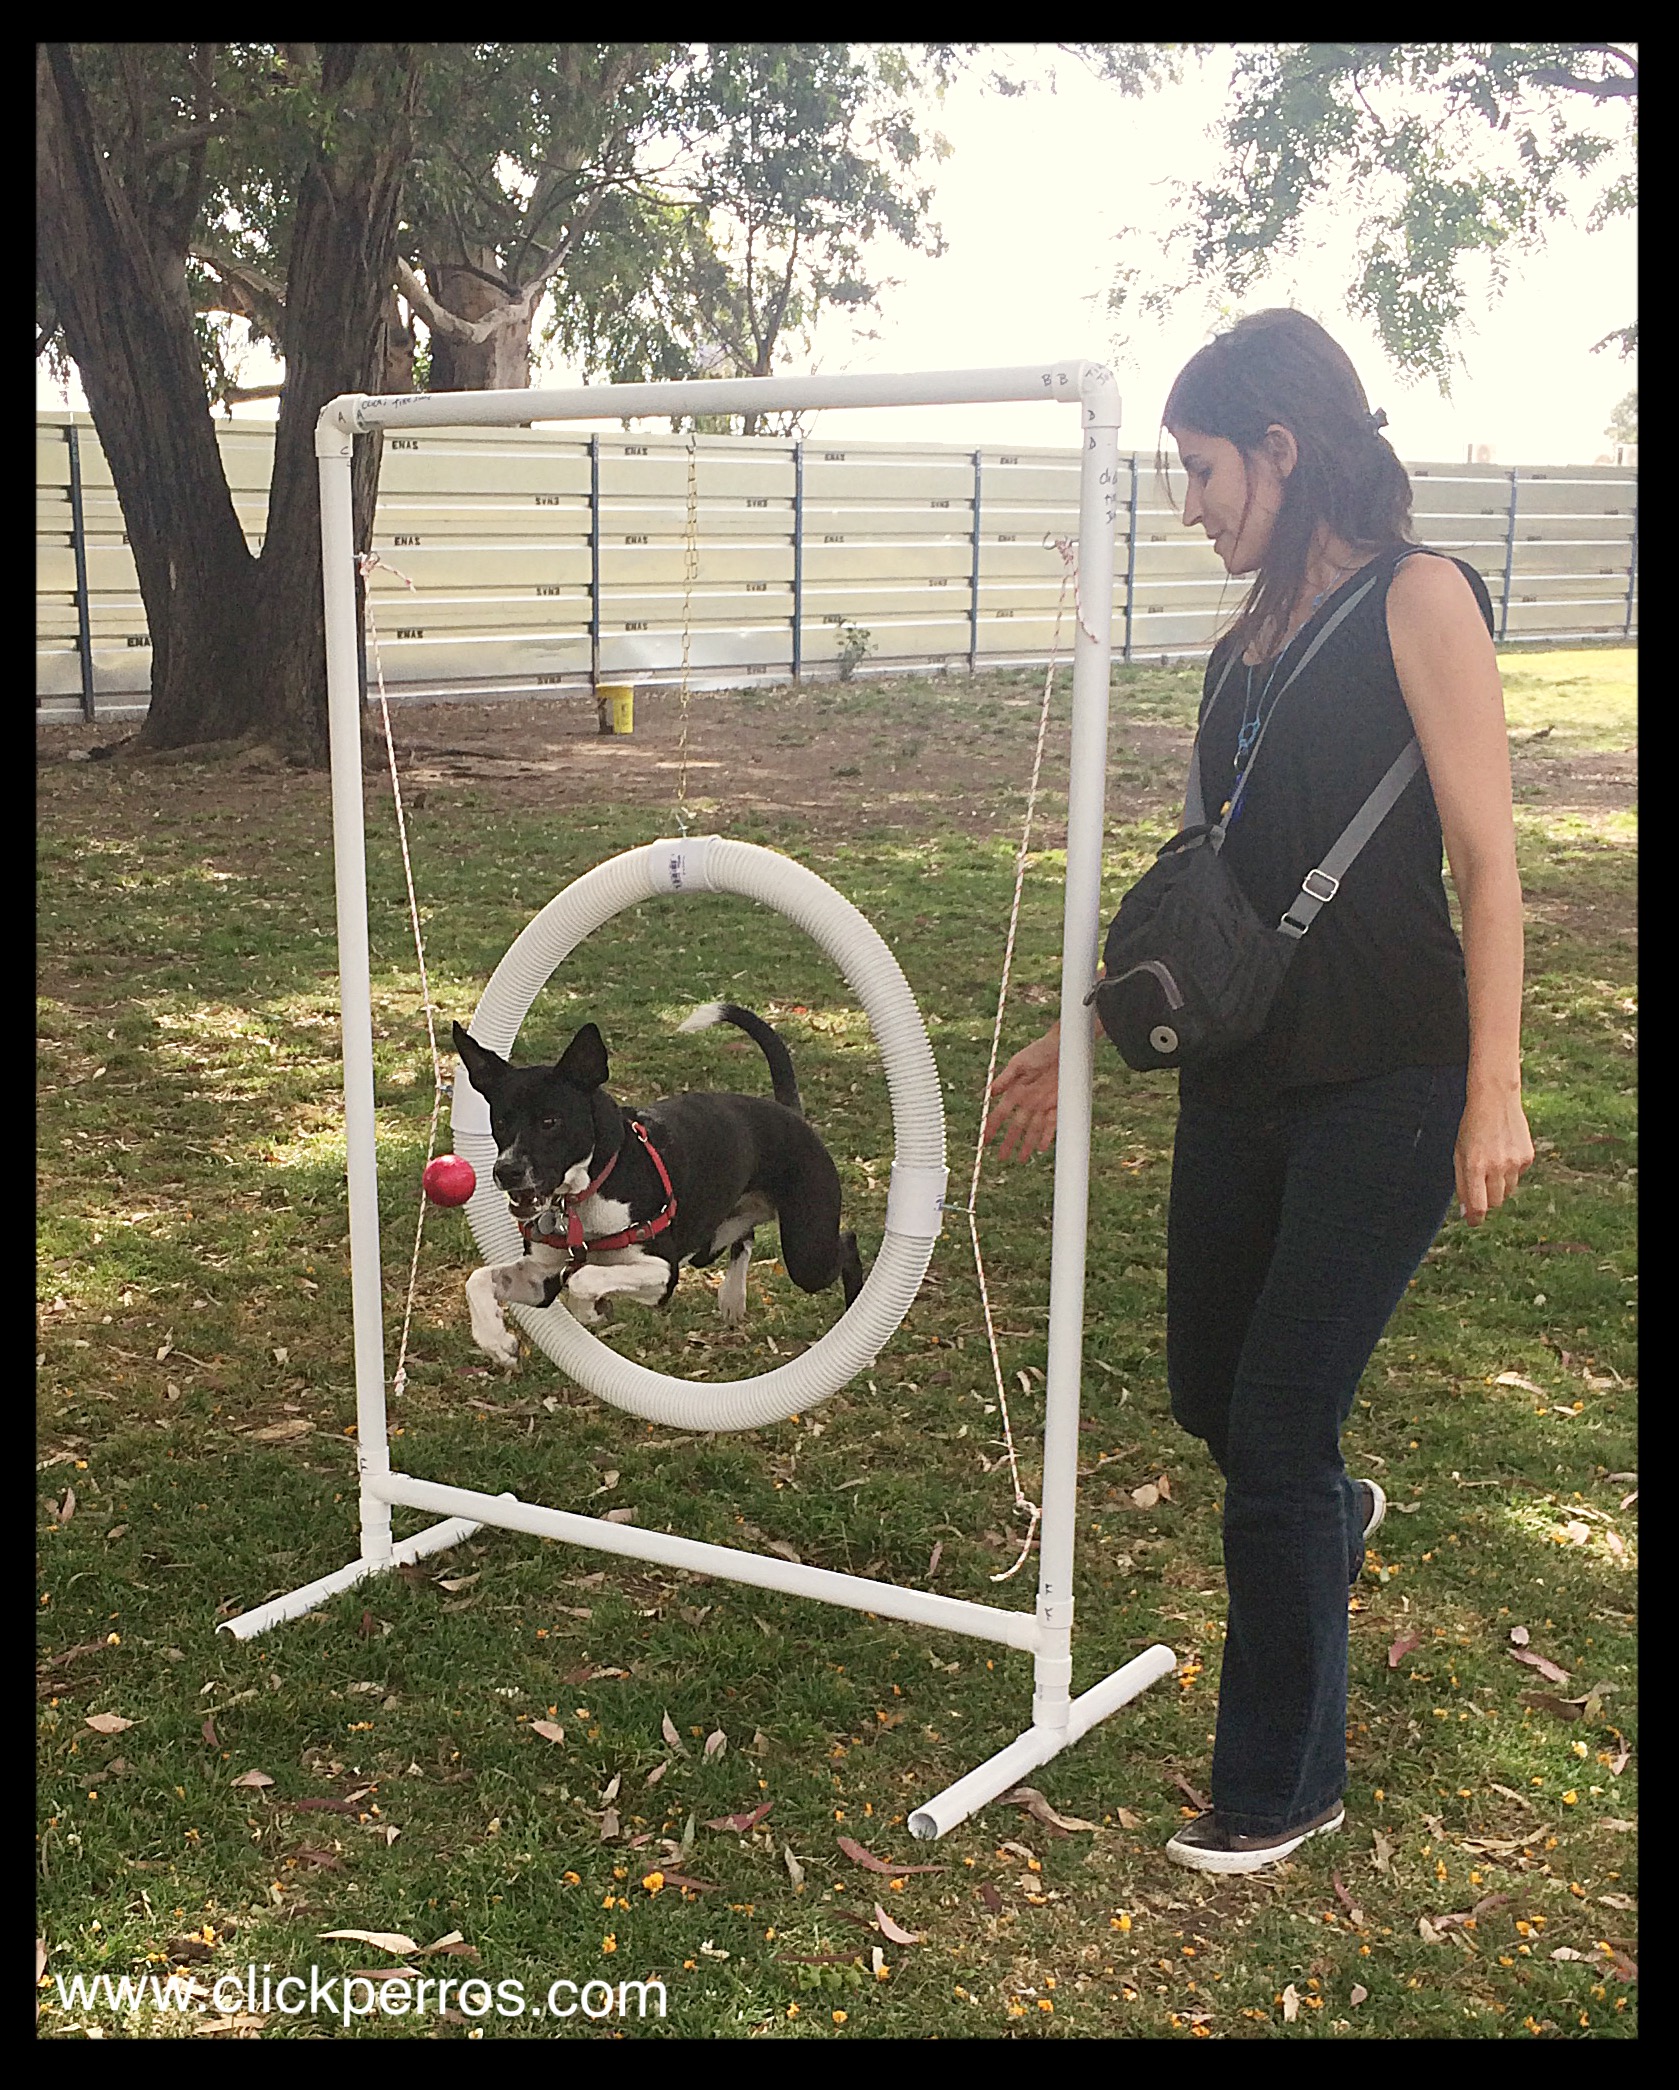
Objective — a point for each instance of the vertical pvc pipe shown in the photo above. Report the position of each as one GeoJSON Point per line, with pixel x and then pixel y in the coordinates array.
{"type": "Point", "coordinates": [333, 450]}
{"type": "Point", "coordinates": [1131, 558]}
{"type": "Point", "coordinates": [594, 562]}
{"type": "Point", "coordinates": [1509, 562]}
{"type": "Point", "coordinates": [798, 558]}
{"type": "Point", "coordinates": [1092, 656]}
{"type": "Point", "coordinates": [78, 544]}
{"type": "Point", "coordinates": [973, 585]}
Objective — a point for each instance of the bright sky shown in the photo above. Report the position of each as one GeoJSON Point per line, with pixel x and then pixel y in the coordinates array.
{"type": "Point", "coordinates": [1030, 201]}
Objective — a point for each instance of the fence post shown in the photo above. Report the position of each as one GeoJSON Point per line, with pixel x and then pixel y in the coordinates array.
{"type": "Point", "coordinates": [973, 581]}
{"type": "Point", "coordinates": [594, 562]}
{"type": "Point", "coordinates": [1509, 562]}
{"type": "Point", "coordinates": [798, 558]}
{"type": "Point", "coordinates": [1632, 571]}
{"type": "Point", "coordinates": [78, 541]}
{"type": "Point", "coordinates": [1130, 558]}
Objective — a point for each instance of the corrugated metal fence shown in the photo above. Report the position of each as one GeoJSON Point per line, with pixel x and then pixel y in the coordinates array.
{"type": "Point", "coordinates": [545, 559]}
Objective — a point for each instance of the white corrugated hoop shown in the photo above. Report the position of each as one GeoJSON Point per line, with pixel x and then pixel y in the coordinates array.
{"type": "Point", "coordinates": [914, 1205]}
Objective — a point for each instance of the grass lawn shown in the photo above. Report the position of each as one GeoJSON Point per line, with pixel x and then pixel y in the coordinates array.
{"type": "Point", "coordinates": [378, 1767]}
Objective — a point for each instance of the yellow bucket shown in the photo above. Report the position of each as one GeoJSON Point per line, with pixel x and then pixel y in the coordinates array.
{"type": "Point", "coordinates": [615, 703]}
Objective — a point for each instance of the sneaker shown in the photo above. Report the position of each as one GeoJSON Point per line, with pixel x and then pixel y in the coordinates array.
{"type": "Point", "coordinates": [1209, 1846]}
{"type": "Point", "coordinates": [1375, 1507]}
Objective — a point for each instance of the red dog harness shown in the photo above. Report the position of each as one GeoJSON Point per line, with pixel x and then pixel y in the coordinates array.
{"type": "Point", "coordinates": [572, 1240]}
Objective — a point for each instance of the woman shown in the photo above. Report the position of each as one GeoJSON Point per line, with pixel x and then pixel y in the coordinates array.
{"type": "Point", "coordinates": [1313, 1167]}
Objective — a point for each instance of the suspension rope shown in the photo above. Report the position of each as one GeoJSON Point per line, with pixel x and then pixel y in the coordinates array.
{"type": "Point", "coordinates": [1069, 576]}
{"type": "Point", "coordinates": [365, 563]}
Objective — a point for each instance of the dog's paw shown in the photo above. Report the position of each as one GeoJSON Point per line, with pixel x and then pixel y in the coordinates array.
{"type": "Point", "coordinates": [502, 1347]}
{"type": "Point", "coordinates": [731, 1309]}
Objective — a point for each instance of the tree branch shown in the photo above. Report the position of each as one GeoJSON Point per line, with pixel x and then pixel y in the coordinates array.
{"type": "Point", "coordinates": [438, 317]}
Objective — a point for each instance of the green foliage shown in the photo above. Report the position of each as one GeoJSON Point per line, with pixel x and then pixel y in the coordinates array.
{"type": "Point", "coordinates": [1623, 420]}
{"type": "Point", "coordinates": [856, 643]}
{"type": "Point", "coordinates": [1443, 155]}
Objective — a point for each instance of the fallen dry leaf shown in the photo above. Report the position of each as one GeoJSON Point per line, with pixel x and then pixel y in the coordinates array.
{"type": "Point", "coordinates": [1194, 1798]}
{"type": "Point", "coordinates": [608, 1824]}
{"type": "Point", "coordinates": [1627, 1969]}
{"type": "Point", "coordinates": [1407, 1644]}
{"type": "Point", "coordinates": [742, 1824]}
{"type": "Point", "coordinates": [1038, 1807]}
{"type": "Point", "coordinates": [1516, 1379]}
{"type": "Point", "coordinates": [870, 1863]}
{"type": "Point", "coordinates": [1355, 1915]}
{"type": "Point", "coordinates": [549, 1730]}
{"type": "Point", "coordinates": [1358, 1996]}
{"type": "Point", "coordinates": [1548, 1670]}
{"type": "Point", "coordinates": [619, 1516]}
{"type": "Point", "coordinates": [283, 1432]}
{"type": "Point", "coordinates": [675, 1741]}
{"type": "Point", "coordinates": [989, 1895]}
{"type": "Point", "coordinates": [1519, 1636]}
{"type": "Point", "coordinates": [1146, 1496]}
{"type": "Point", "coordinates": [386, 1940]}
{"type": "Point", "coordinates": [258, 1779]}
{"type": "Point", "coordinates": [657, 1772]}
{"type": "Point", "coordinates": [108, 1723]}
{"type": "Point", "coordinates": [1565, 1952]}
{"type": "Point", "coordinates": [1428, 1933]}
{"type": "Point", "coordinates": [1381, 1850]}
{"type": "Point", "coordinates": [682, 1879]}
{"type": "Point", "coordinates": [1291, 2004]}
{"type": "Point", "coordinates": [787, 1552]}
{"type": "Point", "coordinates": [208, 1731]}
{"type": "Point", "coordinates": [889, 1929]}
{"type": "Point", "coordinates": [795, 1871]}
{"type": "Point", "coordinates": [716, 1742]}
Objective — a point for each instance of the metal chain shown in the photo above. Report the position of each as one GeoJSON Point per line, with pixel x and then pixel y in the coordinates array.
{"type": "Point", "coordinates": [690, 575]}
{"type": "Point", "coordinates": [1069, 576]}
{"type": "Point", "coordinates": [365, 563]}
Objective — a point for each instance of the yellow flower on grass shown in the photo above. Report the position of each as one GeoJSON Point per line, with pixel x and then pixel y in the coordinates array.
{"type": "Point", "coordinates": [610, 1942]}
{"type": "Point", "coordinates": [653, 1882]}
{"type": "Point", "coordinates": [839, 2017]}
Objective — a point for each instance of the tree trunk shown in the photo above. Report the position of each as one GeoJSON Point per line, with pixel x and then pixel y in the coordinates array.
{"type": "Point", "coordinates": [338, 312]}
{"type": "Point", "coordinates": [128, 325]}
{"type": "Point", "coordinates": [237, 642]}
{"type": "Point", "coordinates": [503, 362]}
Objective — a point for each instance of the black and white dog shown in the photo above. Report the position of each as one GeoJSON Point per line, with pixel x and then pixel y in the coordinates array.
{"type": "Point", "coordinates": [612, 1200]}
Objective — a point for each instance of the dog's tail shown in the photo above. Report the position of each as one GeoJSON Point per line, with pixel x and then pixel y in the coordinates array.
{"type": "Point", "coordinates": [782, 1078]}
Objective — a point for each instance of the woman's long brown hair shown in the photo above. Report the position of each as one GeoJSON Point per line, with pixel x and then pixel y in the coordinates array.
{"type": "Point", "coordinates": [1279, 367]}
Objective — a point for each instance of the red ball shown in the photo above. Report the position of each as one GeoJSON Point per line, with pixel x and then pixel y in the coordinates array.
{"type": "Point", "coordinates": [450, 1179]}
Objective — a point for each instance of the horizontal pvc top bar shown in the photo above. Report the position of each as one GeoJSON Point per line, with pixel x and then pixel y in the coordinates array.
{"type": "Point", "coordinates": [360, 412]}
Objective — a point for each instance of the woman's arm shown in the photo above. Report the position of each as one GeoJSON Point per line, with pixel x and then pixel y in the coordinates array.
{"type": "Point", "coordinates": [1448, 675]}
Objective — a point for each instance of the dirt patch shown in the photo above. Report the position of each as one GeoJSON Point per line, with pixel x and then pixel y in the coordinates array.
{"type": "Point", "coordinates": [831, 760]}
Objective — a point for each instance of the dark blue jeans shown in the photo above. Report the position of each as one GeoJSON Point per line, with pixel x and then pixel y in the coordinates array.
{"type": "Point", "coordinates": [1295, 1227]}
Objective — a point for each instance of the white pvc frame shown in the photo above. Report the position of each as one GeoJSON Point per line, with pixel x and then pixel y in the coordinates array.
{"type": "Point", "coordinates": [1057, 1717]}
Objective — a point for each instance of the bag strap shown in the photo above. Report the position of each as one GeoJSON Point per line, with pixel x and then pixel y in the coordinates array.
{"type": "Point", "coordinates": [1194, 804]}
{"type": "Point", "coordinates": [1321, 885]}
{"type": "Point", "coordinates": [1331, 625]}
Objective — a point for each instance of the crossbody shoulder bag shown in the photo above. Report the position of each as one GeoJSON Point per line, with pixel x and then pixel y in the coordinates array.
{"type": "Point", "coordinates": [1192, 972]}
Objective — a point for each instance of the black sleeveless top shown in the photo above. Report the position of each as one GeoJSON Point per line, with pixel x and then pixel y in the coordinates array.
{"type": "Point", "coordinates": [1377, 983]}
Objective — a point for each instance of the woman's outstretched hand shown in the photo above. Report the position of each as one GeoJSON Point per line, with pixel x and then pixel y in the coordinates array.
{"type": "Point", "coordinates": [1022, 1113]}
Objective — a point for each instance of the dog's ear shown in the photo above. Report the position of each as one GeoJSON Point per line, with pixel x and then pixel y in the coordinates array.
{"type": "Point", "coordinates": [484, 1066]}
{"type": "Point", "coordinates": [583, 1063]}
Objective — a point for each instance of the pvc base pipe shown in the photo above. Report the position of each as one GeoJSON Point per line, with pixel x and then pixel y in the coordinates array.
{"type": "Point", "coordinates": [1038, 1744]}
{"type": "Point", "coordinates": [436, 1538]}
